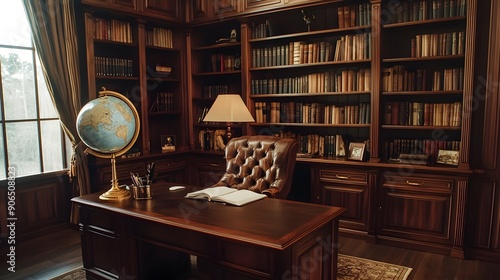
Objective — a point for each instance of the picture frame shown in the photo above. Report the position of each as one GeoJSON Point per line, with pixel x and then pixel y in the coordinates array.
{"type": "Point", "coordinates": [167, 143]}
{"type": "Point", "coordinates": [356, 151]}
{"type": "Point", "coordinates": [448, 157]}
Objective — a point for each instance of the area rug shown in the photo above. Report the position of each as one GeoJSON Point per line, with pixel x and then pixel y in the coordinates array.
{"type": "Point", "coordinates": [348, 268]}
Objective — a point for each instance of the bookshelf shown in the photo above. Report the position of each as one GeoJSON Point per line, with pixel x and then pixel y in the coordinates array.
{"type": "Point", "coordinates": [426, 81]}
{"type": "Point", "coordinates": [313, 83]}
{"type": "Point", "coordinates": [143, 61]}
{"type": "Point", "coordinates": [215, 68]}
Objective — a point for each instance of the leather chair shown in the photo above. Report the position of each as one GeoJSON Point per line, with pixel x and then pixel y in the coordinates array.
{"type": "Point", "coordinates": [260, 163]}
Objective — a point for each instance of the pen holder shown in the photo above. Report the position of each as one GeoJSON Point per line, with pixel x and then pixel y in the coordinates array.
{"type": "Point", "coordinates": [141, 192]}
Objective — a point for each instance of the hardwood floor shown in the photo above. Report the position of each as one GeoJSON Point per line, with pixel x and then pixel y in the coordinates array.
{"type": "Point", "coordinates": [54, 254]}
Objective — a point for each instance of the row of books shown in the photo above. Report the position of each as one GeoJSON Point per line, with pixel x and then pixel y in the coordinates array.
{"type": "Point", "coordinates": [159, 37]}
{"type": "Point", "coordinates": [296, 112]}
{"type": "Point", "coordinates": [224, 62]}
{"type": "Point", "coordinates": [262, 30]}
{"type": "Point", "coordinates": [354, 15]}
{"type": "Point", "coordinates": [398, 78]}
{"type": "Point", "coordinates": [396, 147]}
{"type": "Point", "coordinates": [110, 66]}
{"type": "Point", "coordinates": [163, 102]}
{"type": "Point", "coordinates": [113, 30]}
{"type": "Point", "coordinates": [406, 11]}
{"type": "Point", "coordinates": [345, 48]}
{"type": "Point", "coordinates": [450, 43]}
{"type": "Point", "coordinates": [418, 113]}
{"type": "Point", "coordinates": [353, 47]}
{"type": "Point", "coordinates": [322, 145]}
{"type": "Point", "coordinates": [211, 91]}
{"type": "Point", "coordinates": [341, 80]}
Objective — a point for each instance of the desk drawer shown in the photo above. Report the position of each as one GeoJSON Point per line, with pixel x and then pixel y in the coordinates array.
{"type": "Point", "coordinates": [419, 183]}
{"type": "Point", "coordinates": [344, 176]}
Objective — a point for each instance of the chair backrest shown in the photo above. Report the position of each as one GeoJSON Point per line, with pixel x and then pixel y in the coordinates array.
{"type": "Point", "coordinates": [260, 163]}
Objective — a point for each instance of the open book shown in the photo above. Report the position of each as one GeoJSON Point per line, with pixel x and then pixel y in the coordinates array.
{"type": "Point", "coordinates": [226, 195]}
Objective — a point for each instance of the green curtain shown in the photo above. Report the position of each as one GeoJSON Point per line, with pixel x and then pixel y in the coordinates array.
{"type": "Point", "coordinates": [53, 25]}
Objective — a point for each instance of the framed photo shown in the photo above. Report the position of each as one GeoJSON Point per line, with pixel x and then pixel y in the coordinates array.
{"type": "Point", "coordinates": [167, 143]}
{"type": "Point", "coordinates": [356, 151]}
{"type": "Point", "coordinates": [447, 157]}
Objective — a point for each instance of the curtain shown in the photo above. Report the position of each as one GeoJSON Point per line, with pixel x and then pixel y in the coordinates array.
{"type": "Point", "coordinates": [53, 25]}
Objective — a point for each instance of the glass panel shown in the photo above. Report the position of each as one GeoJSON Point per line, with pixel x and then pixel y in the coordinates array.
{"type": "Point", "coordinates": [2, 158]}
{"type": "Point", "coordinates": [23, 147]}
{"type": "Point", "coordinates": [47, 109]}
{"type": "Point", "coordinates": [14, 27]}
{"type": "Point", "coordinates": [18, 84]}
{"type": "Point", "coordinates": [52, 145]}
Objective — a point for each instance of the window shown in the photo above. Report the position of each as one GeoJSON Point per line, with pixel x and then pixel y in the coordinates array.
{"type": "Point", "coordinates": [31, 138]}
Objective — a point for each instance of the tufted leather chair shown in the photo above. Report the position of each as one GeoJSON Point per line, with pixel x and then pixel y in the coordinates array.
{"type": "Point", "coordinates": [260, 163]}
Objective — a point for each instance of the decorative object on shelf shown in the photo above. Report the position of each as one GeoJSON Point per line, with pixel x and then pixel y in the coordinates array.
{"type": "Point", "coordinates": [356, 151]}
{"type": "Point", "coordinates": [308, 19]}
{"type": "Point", "coordinates": [447, 157]}
{"type": "Point", "coordinates": [206, 138]}
{"type": "Point", "coordinates": [233, 38]}
{"type": "Point", "coordinates": [167, 143]}
{"type": "Point", "coordinates": [109, 126]}
{"type": "Point", "coordinates": [228, 108]}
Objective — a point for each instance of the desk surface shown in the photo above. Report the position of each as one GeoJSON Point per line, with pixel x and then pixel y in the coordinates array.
{"type": "Point", "coordinates": [268, 222]}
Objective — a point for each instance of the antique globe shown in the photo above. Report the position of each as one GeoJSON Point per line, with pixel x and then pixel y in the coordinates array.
{"type": "Point", "coordinates": [109, 126]}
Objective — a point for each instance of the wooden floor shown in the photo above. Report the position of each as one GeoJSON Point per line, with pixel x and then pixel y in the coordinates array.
{"type": "Point", "coordinates": [54, 254]}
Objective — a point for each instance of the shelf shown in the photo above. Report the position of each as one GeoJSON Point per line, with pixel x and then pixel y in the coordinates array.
{"type": "Point", "coordinates": [424, 58]}
{"type": "Point", "coordinates": [424, 22]}
{"type": "Point", "coordinates": [116, 43]}
{"type": "Point", "coordinates": [164, 113]}
{"type": "Point", "coordinates": [217, 73]}
{"type": "Point", "coordinates": [117, 78]}
{"type": "Point", "coordinates": [420, 127]}
{"type": "Point", "coordinates": [312, 125]}
{"type": "Point", "coordinates": [315, 94]}
{"type": "Point", "coordinates": [317, 33]}
{"type": "Point", "coordinates": [310, 65]}
{"type": "Point", "coordinates": [218, 46]}
{"type": "Point", "coordinates": [424, 92]}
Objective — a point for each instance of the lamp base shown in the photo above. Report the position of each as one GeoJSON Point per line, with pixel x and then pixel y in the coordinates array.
{"type": "Point", "coordinates": [229, 134]}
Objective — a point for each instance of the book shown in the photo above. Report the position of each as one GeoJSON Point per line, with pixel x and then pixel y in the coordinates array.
{"type": "Point", "coordinates": [226, 195]}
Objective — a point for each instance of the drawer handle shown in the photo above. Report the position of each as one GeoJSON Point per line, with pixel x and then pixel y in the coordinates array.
{"type": "Point", "coordinates": [414, 183]}
{"type": "Point", "coordinates": [214, 164]}
{"type": "Point", "coordinates": [343, 177]}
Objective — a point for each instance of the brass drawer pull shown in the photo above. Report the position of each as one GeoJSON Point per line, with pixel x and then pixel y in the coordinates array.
{"type": "Point", "coordinates": [343, 177]}
{"type": "Point", "coordinates": [414, 183]}
{"type": "Point", "coordinates": [214, 164]}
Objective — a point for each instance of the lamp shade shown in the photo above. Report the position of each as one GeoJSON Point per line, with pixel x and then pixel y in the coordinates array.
{"type": "Point", "coordinates": [228, 108]}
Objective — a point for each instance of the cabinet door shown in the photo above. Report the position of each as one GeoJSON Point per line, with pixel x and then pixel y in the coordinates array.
{"type": "Point", "coordinates": [417, 208]}
{"type": "Point", "coordinates": [113, 4]}
{"type": "Point", "coordinates": [166, 9]}
{"type": "Point", "coordinates": [123, 170]}
{"type": "Point", "coordinates": [261, 4]}
{"type": "Point", "coordinates": [351, 190]}
{"type": "Point", "coordinates": [209, 169]}
{"type": "Point", "coordinates": [205, 10]}
{"type": "Point", "coordinates": [172, 169]}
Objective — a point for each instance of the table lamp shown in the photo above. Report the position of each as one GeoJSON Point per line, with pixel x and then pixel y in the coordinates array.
{"type": "Point", "coordinates": [228, 108]}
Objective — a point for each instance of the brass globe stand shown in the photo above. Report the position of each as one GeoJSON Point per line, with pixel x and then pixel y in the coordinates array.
{"type": "Point", "coordinates": [116, 192]}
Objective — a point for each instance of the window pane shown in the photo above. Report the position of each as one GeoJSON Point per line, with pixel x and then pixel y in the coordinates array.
{"type": "Point", "coordinates": [14, 25]}
{"type": "Point", "coordinates": [2, 158]}
{"type": "Point", "coordinates": [52, 145]}
{"type": "Point", "coordinates": [23, 147]}
{"type": "Point", "coordinates": [47, 109]}
{"type": "Point", "coordinates": [18, 84]}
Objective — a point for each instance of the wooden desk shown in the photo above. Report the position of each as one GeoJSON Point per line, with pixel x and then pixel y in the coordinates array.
{"type": "Point", "coordinates": [267, 239]}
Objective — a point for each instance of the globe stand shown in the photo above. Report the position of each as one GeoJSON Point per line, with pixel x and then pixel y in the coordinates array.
{"type": "Point", "coordinates": [115, 193]}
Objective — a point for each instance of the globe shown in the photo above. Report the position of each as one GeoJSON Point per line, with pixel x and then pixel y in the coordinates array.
{"type": "Point", "coordinates": [109, 126]}
{"type": "Point", "coordinates": [106, 124]}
